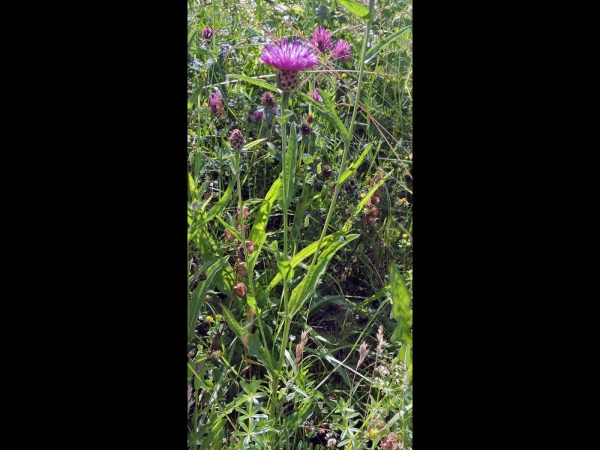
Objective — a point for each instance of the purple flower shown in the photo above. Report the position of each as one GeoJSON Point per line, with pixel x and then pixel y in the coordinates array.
{"type": "Point", "coordinates": [316, 96]}
{"type": "Point", "coordinates": [214, 101]}
{"type": "Point", "coordinates": [305, 129]}
{"type": "Point", "coordinates": [256, 116]}
{"type": "Point", "coordinates": [321, 39]}
{"type": "Point", "coordinates": [268, 100]}
{"type": "Point", "coordinates": [207, 34]}
{"type": "Point", "coordinates": [289, 55]}
{"type": "Point", "coordinates": [341, 51]}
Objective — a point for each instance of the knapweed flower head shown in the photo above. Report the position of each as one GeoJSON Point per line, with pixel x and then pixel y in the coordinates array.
{"type": "Point", "coordinates": [341, 51]}
{"type": "Point", "coordinates": [207, 34]}
{"type": "Point", "coordinates": [256, 116]}
{"type": "Point", "coordinates": [290, 57]}
{"type": "Point", "coordinates": [236, 140]}
{"type": "Point", "coordinates": [316, 96]}
{"type": "Point", "coordinates": [268, 100]}
{"type": "Point", "coordinates": [214, 100]}
{"type": "Point", "coordinates": [321, 39]}
{"type": "Point", "coordinates": [305, 129]}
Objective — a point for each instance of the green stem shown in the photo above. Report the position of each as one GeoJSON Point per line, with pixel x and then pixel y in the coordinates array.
{"type": "Point", "coordinates": [286, 328]}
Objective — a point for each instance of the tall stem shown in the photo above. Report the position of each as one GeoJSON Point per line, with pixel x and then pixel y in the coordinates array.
{"type": "Point", "coordinates": [286, 316]}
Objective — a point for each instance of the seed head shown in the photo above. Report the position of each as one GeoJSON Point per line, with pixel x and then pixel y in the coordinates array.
{"type": "Point", "coordinates": [241, 269]}
{"type": "Point", "coordinates": [362, 352]}
{"type": "Point", "coordinates": [240, 290]}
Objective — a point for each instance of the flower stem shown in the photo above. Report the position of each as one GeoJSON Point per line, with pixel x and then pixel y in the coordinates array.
{"type": "Point", "coordinates": [286, 327]}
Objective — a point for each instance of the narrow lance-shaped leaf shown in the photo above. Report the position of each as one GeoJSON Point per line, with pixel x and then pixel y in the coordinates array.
{"type": "Point", "coordinates": [355, 165]}
{"type": "Point", "coordinates": [303, 254]}
{"type": "Point", "coordinates": [401, 307]}
{"type": "Point", "coordinates": [304, 290]}
{"type": "Point", "coordinates": [258, 234]}
{"type": "Point", "coordinates": [254, 81]}
{"type": "Point", "coordinates": [358, 9]}
{"type": "Point", "coordinates": [192, 98]}
{"type": "Point", "coordinates": [255, 348]}
{"type": "Point", "coordinates": [290, 166]}
{"type": "Point", "coordinates": [209, 249]}
{"type": "Point", "coordinates": [385, 42]}
{"type": "Point", "coordinates": [234, 324]}
{"type": "Point", "coordinates": [362, 204]}
{"type": "Point", "coordinates": [402, 313]}
{"type": "Point", "coordinates": [200, 292]}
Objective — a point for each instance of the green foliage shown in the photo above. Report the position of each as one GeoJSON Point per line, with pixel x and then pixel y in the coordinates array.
{"type": "Point", "coordinates": [300, 242]}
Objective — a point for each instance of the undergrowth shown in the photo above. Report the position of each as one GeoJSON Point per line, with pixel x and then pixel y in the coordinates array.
{"type": "Point", "coordinates": [300, 227]}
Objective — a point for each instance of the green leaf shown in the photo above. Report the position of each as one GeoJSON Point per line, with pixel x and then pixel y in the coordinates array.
{"type": "Point", "coordinates": [402, 313]}
{"type": "Point", "coordinates": [289, 167]}
{"type": "Point", "coordinates": [358, 9]}
{"type": "Point", "coordinates": [304, 290]}
{"type": "Point", "coordinates": [233, 324]}
{"type": "Point", "coordinates": [349, 223]}
{"type": "Point", "coordinates": [303, 254]}
{"type": "Point", "coordinates": [199, 294]}
{"type": "Point", "coordinates": [254, 81]}
{"type": "Point", "coordinates": [192, 98]}
{"type": "Point", "coordinates": [193, 190]}
{"type": "Point", "coordinates": [253, 144]}
{"type": "Point", "coordinates": [285, 269]}
{"type": "Point", "coordinates": [383, 43]}
{"type": "Point", "coordinates": [285, 116]}
{"type": "Point", "coordinates": [215, 436]}
{"type": "Point", "coordinates": [255, 348]}
{"type": "Point", "coordinates": [355, 165]}
{"type": "Point", "coordinates": [211, 250]}
{"type": "Point", "coordinates": [258, 234]}
{"type": "Point", "coordinates": [212, 213]}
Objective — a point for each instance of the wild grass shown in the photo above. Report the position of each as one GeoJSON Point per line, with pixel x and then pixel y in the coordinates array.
{"type": "Point", "coordinates": [300, 236]}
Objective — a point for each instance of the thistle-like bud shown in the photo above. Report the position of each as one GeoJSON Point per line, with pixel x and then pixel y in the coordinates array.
{"type": "Point", "coordinates": [374, 212]}
{"type": "Point", "coordinates": [241, 269]}
{"type": "Point", "coordinates": [268, 100]}
{"type": "Point", "coordinates": [240, 290]}
{"type": "Point", "coordinates": [245, 212]}
{"type": "Point", "coordinates": [250, 246]}
{"type": "Point", "coordinates": [236, 140]}
{"type": "Point", "coordinates": [229, 235]}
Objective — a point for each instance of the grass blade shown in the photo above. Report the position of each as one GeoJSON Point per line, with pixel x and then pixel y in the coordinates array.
{"type": "Point", "coordinates": [383, 43]}
{"type": "Point", "coordinates": [254, 81]}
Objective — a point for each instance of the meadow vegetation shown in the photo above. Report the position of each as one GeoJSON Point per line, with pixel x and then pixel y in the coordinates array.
{"type": "Point", "coordinates": [300, 224]}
